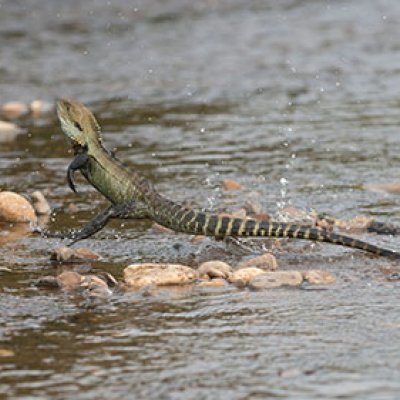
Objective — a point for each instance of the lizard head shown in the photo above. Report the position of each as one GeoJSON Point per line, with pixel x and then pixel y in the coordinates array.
{"type": "Point", "coordinates": [78, 123]}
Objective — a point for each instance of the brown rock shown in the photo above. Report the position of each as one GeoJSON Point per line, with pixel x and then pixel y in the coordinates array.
{"type": "Point", "coordinates": [40, 203]}
{"type": "Point", "coordinates": [357, 224]}
{"type": "Point", "coordinates": [96, 286]}
{"type": "Point", "coordinates": [39, 107]}
{"type": "Point", "coordinates": [70, 280]}
{"type": "Point", "coordinates": [213, 283]}
{"type": "Point", "coordinates": [162, 229]}
{"type": "Point", "coordinates": [253, 207]}
{"type": "Point", "coordinates": [90, 281]}
{"type": "Point", "coordinates": [198, 238]}
{"type": "Point", "coordinates": [317, 277]}
{"type": "Point", "coordinates": [140, 275]}
{"type": "Point", "coordinates": [393, 187]}
{"type": "Point", "coordinates": [9, 129]}
{"type": "Point", "coordinates": [269, 280]}
{"type": "Point", "coordinates": [6, 353]}
{"type": "Point", "coordinates": [242, 277]}
{"type": "Point", "coordinates": [266, 262]}
{"type": "Point", "coordinates": [215, 269]}
{"type": "Point", "coordinates": [66, 254]}
{"type": "Point", "coordinates": [261, 217]}
{"type": "Point", "coordinates": [15, 208]}
{"type": "Point", "coordinates": [14, 109]}
{"type": "Point", "coordinates": [231, 185]}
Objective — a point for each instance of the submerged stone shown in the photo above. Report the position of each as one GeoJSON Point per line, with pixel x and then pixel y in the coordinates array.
{"type": "Point", "coordinates": [270, 280]}
{"type": "Point", "coordinates": [318, 277]}
{"type": "Point", "coordinates": [68, 255]}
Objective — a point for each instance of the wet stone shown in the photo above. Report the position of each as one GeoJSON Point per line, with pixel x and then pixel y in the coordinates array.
{"type": "Point", "coordinates": [6, 353]}
{"type": "Point", "coordinates": [40, 203]}
{"type": "Point", "coordinates": [318, 277]}
{"type": "Point", "coordinates": [141, 275]}
{"type": "Point", "coordinates": [9, 129]}
{"type": "Point", "coordinates": [270, 280]}
{"type": "Point", "coordinates": [393, 187]}
{"type": "Point", "coordinates": [266, 262]}
{"type": "Point", "coordinates": [69, 280]}
{"type": "Point", "coordinates": [198, 238]}
{"type": "Point", "coordinates": [39, 108]}
{"type": "Point", "coordinates": [15, 208]}
{"type": "Point", "coordinates": [215, 269]}
{"type": "Point", "coordinates": [68, 255]}
{"type": "Point", "coordinates": [162, 229]}
{"type": "Point", "coordinates": [14, 109]}
{"type": "Point", "coordinates": [243, 276]}
{"type": "Point", "coordinates": [231, 185]}
{"type": "Point", "coordinates": [357, 224]}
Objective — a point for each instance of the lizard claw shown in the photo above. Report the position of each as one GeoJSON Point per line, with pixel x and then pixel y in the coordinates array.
{"type": "Point", "coordinates": [70, 179]}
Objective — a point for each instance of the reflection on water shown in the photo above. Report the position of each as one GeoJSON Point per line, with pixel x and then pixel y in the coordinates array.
{"type": "Point", "coordinates": [296, 100]}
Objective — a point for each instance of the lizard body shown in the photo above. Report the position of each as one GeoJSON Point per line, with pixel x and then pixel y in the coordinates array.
{"type": "Point", "coordinates": [133, 196]}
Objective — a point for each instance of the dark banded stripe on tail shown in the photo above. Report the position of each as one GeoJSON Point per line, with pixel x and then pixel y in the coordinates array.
{"type": "Point", "coordinates": [194, 222]}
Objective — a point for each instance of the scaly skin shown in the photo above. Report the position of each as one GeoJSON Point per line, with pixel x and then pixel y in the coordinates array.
{"type": "Point", "coordinates": [133, 196]}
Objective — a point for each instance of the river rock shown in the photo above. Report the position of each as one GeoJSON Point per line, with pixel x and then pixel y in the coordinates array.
{"type": "Point", "coordinates": [242, 277]}
{"type": "Point", "coordinates": [68, 255]}
{"type": "Point", "coordinates": [14, 109]}
{"type": "Point", "coordinates": [40, 203]}
{"type": "Point", "coordinates": [318, 277]}
{"type": "Point", "coordinates": [6, 353]}
{"type": "Point", "coordinates": [269, 280]}
{"type": "Point", "coordinates": [357, 224]}
{"type": "Point", "coordinates": [266, 262]}
{"type": "Point", "coordinates": [9, 129]}
{"type": "Point", "coordinates": [393, 187]}
{"type": "Point", "coordinates": [231, 185]}
{"type": "Point", "coordinates": [197, 239]}
{"type": "Point", "coordinates": [96, 286]}
{"type": "Point", "coordinates": [40, 107]}
{"type": "Point", "coordinates": [140, 275]}
{"type": "Point", "coordinates": [15, 208]}
{"type": "Point", "coordinates": [162, 229]}
{"type": "Point", "coordinates": [215, 269]}
{"type": "Point", "coordinates": [70, 280]}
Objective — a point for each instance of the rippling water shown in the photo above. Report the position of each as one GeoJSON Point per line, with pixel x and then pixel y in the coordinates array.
{"type": "Point", "coordinates": [298, 101]}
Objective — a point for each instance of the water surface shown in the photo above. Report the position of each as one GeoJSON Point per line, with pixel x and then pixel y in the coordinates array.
{"type": "Point", "coordinates": [296, 100]}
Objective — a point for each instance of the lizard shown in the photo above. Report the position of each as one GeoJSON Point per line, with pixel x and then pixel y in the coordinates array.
{"type": "Point", "coordinates": [132, 196]}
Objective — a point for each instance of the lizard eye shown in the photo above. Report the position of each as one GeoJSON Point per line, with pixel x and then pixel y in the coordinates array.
{"type": "Point", "coordinates": [77, 126]}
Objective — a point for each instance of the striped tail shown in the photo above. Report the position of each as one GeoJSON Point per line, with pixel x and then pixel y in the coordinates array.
{"type": "Point", "coordinates": [190, 221]}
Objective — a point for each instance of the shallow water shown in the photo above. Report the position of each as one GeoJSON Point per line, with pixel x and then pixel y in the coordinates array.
{"type": "Point", "coordinates": [296, 100]}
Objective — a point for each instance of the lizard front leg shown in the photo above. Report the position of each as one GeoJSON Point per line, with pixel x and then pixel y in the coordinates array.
{"type": "Point", "coordinates": [131, 210]}
{"type": "Point", "coordinates": [77, 163]}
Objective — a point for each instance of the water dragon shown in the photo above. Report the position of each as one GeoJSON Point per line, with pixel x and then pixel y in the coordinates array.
{"type": "Point", "coordinates": [133, 196]}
